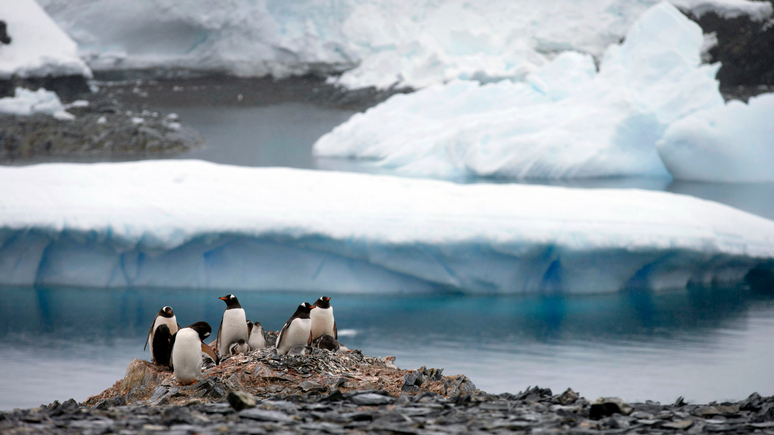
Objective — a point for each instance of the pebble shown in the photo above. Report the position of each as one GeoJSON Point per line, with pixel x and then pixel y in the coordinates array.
{"type": "Point", "coordinates": [534, 410]}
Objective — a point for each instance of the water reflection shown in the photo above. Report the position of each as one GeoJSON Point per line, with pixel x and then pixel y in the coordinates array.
{"type": "Point", "coordinates": [76, 342]}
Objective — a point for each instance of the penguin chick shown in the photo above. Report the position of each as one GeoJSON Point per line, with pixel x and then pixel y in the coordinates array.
{"type": "Point", "coordinates": [300, 350]}
{"type": "Point", "coordinates": [165, 316]}
{"type": "Point", "coordinates": [237, 347]}
{"type": "Point", "coordinates": [161, 346]}
{"type": "Point", "coordinates": [256, 337]}
{"type": "Point", "coordinates": [323, 322]}
{"type": "Point", "coordinates": [187, 349]}
{"type": "Point", "coordinates": [326, 342]}
{"type": "Point", "coordinates": [297, 330]}
{"type": "Point", "coordinates": [233, 326]}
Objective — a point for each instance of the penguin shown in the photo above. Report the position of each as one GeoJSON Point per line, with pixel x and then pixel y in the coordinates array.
{"type": "Point", "coordinates": [255, 335]}
{"type": "Point", "coordinates": [161, 347]}
{"type": "Point", "coordinates": [165, 316]}
{"type": "Point", "coordinates": [233, 326]}
{"type": "Point", "coordinates": [297, 330]}
{"type": "Point", "coordinates": [326, 342]}
{"type": "Point", "coordinates": [187, 347]}
{"type": "Point", "coordinates": [237, 347]}
{"type": "Point", "coordinates": [323, 322]}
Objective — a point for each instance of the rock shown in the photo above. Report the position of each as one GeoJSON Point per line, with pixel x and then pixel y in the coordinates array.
{"type": "Point", "coordinates": [606, 406]}
{"type": "Point", "coordinates": [141, 373]}
{"type": "Point", "coordinates": [264, 415]}
{"type": "Point", "coordinates": [371, 399]}
{"type": "Point", "coordinates": [569, 396]}
{"type": "Point", "coordinates": [679, 424]}
{"type": "Point", "coordinates": [240, 400]}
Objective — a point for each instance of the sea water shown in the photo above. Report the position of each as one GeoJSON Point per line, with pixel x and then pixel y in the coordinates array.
{"type": "Point", "coordinates": [701, 344]}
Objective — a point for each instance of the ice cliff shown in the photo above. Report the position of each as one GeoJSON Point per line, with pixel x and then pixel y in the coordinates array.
{"type": "Point", "coordinates": [202, 225]}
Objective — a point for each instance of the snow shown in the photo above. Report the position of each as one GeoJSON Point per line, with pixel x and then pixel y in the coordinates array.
{"type": "Point", "coordinates": [26, 102]}
{"type": "Point", "coordinates": [192, 224]}
{"type": "Point", "coordinates": [565, 121]}
{"type": "Point", "coordinates": [38, 46]}
{"type": "Point", "coordinates": [731, 143]}
{"type": "Point", "coordinates": [378, 43]}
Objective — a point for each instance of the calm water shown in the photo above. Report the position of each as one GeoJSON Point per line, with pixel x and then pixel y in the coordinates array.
{"type": "Point", "coordinates": [704, 345]}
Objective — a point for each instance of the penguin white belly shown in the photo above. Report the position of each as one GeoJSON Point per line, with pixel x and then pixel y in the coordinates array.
{"type": "Point", "coordinates": [256, 341]}
{"type": "Point", "coordinates": [187, 356]}
{"type": "Point", "coordinates": [171, 323]}
{"type": "Point", "coordinates": [233, 328]}
{"type": "Point", "coordinates": [322, 322]}
{"type": "Point", "coordinates": [297, 333]}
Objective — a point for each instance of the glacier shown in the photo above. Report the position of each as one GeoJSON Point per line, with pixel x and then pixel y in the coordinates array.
{"type": "Point", "coordinates": [399, 43]}
{"type": "Point", "coordinates": [38, 46]}
{"type": "Point", "coordinates": [192, 224]}
{"type": "Point", "coordinates": [566, 120]}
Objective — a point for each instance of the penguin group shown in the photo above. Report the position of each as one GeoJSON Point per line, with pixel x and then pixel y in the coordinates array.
{"type": "Point", "coordinates": [182, 349]}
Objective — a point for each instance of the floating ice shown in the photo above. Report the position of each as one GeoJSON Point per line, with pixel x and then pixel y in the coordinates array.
{"type": "Point", "coordinates": [26, 102]}
{"type": "Point", "coordinates": [379, 43]}
{"type": "Point", "coordinates": [197, 224]}
{"type": "Point", "coordinates": [566, 121]}
{"type": "Point", "coordinates": [731, 143]}
{"type": "Point", "coordinates": [38, 46]}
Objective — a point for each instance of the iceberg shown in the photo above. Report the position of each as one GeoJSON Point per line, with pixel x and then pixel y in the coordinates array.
{"type": "Point", "coordinates": [38, 47]}
{"type": "Point", "coordinates": [192, 224]}
{"type": "Point", "coordinates": [402, 43]}
{"type": "Point", "coordinates": [565, 121]}
{"type": "Point", "coordinates": [26, 102]}
{"type": "Point", "coordinates": [732, 143]}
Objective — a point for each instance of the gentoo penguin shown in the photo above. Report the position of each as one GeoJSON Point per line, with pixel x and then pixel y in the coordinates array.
{"type": "Point", "coordinates": [161, 347]}
{"type": "Point", "coordinates": [187, 348]}
{"type": "Point", "coordinates": [239, 346]}
{"type": "Point", "coordinates": [255, 336]}
{"type": "Point", "coordinates": [297, 330]}
{"type": "Point", "coordinates": [165, 316]}
{"type": "Point", "coordinates": [326, 342]}
{"type": "Point", "coordinates": [323, 322]}
{"type": "Point", "coordinates": [233, 326]}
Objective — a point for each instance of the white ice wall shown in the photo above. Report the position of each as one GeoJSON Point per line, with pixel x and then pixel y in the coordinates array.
{"type": "Point", "coordinates": [196, 224]}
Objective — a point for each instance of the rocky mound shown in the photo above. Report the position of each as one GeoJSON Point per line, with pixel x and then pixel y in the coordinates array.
{"type": "Point", "coordinates": [264, 374]}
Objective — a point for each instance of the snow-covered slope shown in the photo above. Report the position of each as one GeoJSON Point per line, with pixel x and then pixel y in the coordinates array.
{"type": "Point", "coordinates": [38, 46]}
{"type": "Point", "coordinates": [196, 224]}
{"type": "Point", "coordinates": [382, 43]}
{"type": "Point", "coordinates": [565, 121]}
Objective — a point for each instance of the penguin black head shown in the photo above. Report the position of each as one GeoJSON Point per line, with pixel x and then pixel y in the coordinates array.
{"type": "Point", "coordinates": [231, 301]}
{"type": "Point", "coordinates": [249, 326]}
{"type": "Point", "coordinates": [303, 310]}
{"type": "Point", "coordinates": [166, 312]}
{"type": "Point", "coordinates": [323, 302]}
{"type": "Point", "coordinates": [202, 328]}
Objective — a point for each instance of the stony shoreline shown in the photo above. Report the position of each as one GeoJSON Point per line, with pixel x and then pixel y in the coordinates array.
{"type": "Point", "coordinates": [348, 392]}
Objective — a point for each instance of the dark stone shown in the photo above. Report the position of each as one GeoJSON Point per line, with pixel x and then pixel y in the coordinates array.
{"type": "Point", "coordinates": [177, 415]}
{"type": "Point", "coordinates": [4, 37]}
{"type": "Point", "coordinates": [604, 409]}
{"type": "Point", "coordinates": [240, 400]}
{"type": "Point", "coordinates": [70, 406]}
{"type": "Point", "coordinates": [535, 394]}
{"type": "Point", "coordinates": [210, 388]}
{"type": "Point", "coordinates": [372, 399]}
{"type": "Point", "coordinates": [264, 415]}
{"type": "Point", "coordinates": [744, 48]}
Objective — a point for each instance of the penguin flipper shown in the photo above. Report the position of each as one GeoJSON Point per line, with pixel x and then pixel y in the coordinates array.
{"type": "Point", "coordinates": [171, 347]}
{"type": "Point", "coordinates": [282, 333]}
{"type": "Point", "coordinates": [150, 332]}
{"type": "Point", "coordinates": [335, 331]}
{"type": "Point", "coordinates": [220, 328]}
{"type": "Point", "coordinates": [309, 340]}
